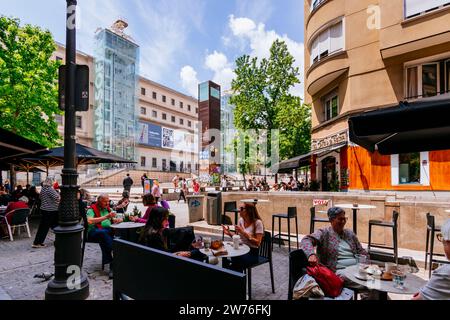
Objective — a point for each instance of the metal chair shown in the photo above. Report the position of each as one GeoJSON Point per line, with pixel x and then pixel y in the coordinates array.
{"type": "Point", "coordinates": [432, 229]}
{"type": "Point", "coordinates": [292, 214]}
{"type": "Point", "coordinates": [265, 256]}
{"type": "Point", "coordinates": [386, 224]}
{"type": "Point", "coordinates": [231, 206]}
{"type": "Point", "coordinates": [314, 219]}
{"type": "Point", "coordinates": [297, 268]}
{"type": "Point", "coordinates": [19, 218]}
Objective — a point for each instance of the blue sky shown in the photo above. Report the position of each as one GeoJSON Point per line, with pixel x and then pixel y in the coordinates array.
{"type": "Point", "coordinates": [182, 41]}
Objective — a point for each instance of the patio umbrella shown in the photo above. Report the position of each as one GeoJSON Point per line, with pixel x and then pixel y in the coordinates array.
{"type": "Point", "coordinates": [13, 145]}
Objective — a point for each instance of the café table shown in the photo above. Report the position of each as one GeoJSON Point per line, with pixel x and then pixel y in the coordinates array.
{"type": "Point", "coordinates": [231, 252]}
{"type": "Point", "coordinates": [412, 283]}
{"type": "Point", "coordinates": [355, 211]}
{"type": "Point", "coordinates": [125, 229]}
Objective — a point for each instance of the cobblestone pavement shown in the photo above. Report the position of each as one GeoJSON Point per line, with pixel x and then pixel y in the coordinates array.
{"type": "Point", "coordinates": [19, 263]}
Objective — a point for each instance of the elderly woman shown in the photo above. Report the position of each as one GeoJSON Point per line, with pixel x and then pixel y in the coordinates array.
{"type": "Point", "coordinates": [49, 207]}
{"type": "Point", "coordinates": [336, 247]}
{"type": "Point", "coordinates": [438, 288]}
{"type": "Point", "coordinates": [22, 203]}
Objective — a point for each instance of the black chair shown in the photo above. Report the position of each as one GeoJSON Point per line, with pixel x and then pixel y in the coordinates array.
{"type": "Point", "coordinates": [231, 207]}
{"type": "Point", "coordinates": [292, 214]}
{"type": "Point", "coordinates": [179, 239]}
{"type": "Point", "coordinates": [86, 240]}
{"type": "Point", "coordinates": [265, 256]}
{"type": "Point", "coordinates": [315, 219]}
{"type": "Point", "coordinates": [432, 229]}
{"type": "Point", "coordinates": [386, 224]}
{"type": "Point", "coordinates": [19, 219]}
{"type": "Point", "coordinates": [297, 268]}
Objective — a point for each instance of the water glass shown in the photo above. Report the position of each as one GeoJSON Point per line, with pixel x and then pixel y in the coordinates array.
{"type": "Point", "coordinates": [363, 262]}
{"type": "Point", "coordinates": [207, 243]}
{"type": "Point", "coordinates": [399, 277]}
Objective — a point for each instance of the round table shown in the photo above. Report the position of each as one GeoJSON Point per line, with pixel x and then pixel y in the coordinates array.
{"type": "Point", "coordinates": [355, 211]}
{"type": "Point", "coordinates": [231, 252]}
{"type": "Point", "coordinates": [125, 228]}
{"type": "Point", "coordinates": [412, 283]}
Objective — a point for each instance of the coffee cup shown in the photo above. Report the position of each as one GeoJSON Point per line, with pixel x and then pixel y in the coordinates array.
{"type": "Point", "coordinates": [389, 267]}
{"type": "Point", "coordinates": [236, 241]}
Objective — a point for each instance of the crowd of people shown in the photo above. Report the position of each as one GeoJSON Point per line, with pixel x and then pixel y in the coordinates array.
{"type": "Point", "coordinates": [257, 184]}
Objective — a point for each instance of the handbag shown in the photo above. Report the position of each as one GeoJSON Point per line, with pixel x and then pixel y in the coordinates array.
{"type": "Point", "coordinates": [328, 281]}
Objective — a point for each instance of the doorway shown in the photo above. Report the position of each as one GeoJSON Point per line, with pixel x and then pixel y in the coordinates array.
{"type": "Point", "coordinates": [328, 169]}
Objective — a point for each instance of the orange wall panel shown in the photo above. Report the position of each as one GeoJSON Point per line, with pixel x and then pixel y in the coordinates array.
{"type": "Point", "coordinates": [359, 163]}
{"type": "Point", "coordinates": [440, 169]}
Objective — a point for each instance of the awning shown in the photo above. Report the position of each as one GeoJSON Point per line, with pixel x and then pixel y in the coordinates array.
{"type": "Point", "coordinates": [287, 166]}
{"type": "Point", "coordinates": [321, 152]}
{"type": "Point", "coordinates": [409, 127]}
{"type": "Point", "coordinates": [13, 145]}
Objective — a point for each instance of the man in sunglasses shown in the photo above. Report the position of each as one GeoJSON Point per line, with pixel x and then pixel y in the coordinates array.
{"type": "Point", "coordinates": [438, 288]}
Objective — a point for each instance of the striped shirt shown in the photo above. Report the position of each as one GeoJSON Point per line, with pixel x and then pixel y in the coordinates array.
{"type": "Point", "coordinates": [49, 199]}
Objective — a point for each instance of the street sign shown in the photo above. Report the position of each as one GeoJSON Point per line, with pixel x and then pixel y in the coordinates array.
{"type": "Point", "coordinates": [81, 88]}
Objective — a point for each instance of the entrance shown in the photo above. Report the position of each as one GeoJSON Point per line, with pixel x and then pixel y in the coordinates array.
{"type": "Point", "coordinates": [328, 170]}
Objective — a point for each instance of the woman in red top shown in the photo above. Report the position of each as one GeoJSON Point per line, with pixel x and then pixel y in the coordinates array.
{"type": "Point", "coordinates": [21, 204]}
{"type": "Point", "coordinates": [196, 187]}
{"type": "Point", "coordinates": [149, 201]}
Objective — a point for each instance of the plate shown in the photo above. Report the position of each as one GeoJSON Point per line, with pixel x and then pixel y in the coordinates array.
{"type": "Point", "coordinates": [362, 277]}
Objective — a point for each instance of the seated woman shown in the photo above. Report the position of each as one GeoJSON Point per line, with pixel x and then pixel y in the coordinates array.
{"type": "Point", "coordinates": [438, 288]}
{"type": "Point", "coordinates": [22, 203]}
{"type": "Point", "coordinates": [336, 248]}
{"type": "Point", "coordinates": [149, 201]}
{"type": "Point", "coordinates": [153, 235]}
{"type": "Point", "coordinates": [251, 230]}
{"type": "Point", "coordinates": [123, 203]}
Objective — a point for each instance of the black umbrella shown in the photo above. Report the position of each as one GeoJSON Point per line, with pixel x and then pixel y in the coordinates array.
{"type": "Point", "coordinates": [13, 145]}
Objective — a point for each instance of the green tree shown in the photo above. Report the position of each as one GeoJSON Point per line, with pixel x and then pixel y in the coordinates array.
{"type": "Point", "coordinates": [263, 100]}
{"type": "Point", "coordinates": [28, 82]}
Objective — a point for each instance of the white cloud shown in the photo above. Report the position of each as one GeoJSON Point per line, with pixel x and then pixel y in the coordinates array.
{"type": "Point", "coordinates": [216, 61]}
{"type": "Point", "coordinates": [260, 40]}
{"type": "Point", "coordinates": [256, 10]}
{"type": "Point", "coordinates": [189, 80]}
{"type": "Point", "coordinates": [223, 70]}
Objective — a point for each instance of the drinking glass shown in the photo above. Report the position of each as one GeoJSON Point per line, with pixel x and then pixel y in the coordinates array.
{"type": "Point", "coordinates": [207, 243]}
{"type": "Point", "coordinates": [363, 263]}
{"type": "Point", "coordinates": [399, 276]}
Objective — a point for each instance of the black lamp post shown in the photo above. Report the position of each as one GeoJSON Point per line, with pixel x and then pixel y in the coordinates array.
{"type": "Point", "coordinates": [69, 282]}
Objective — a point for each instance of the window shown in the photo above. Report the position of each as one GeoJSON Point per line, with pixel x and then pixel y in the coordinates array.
{"type": "Point", "coordinates": [327, 42]}
{"type": "Point", "coordinates": [417, 7]}
{"type": "Point", "coordinates": [316, 3]}
{"type": "Point", "coordinates": [163, 98]}
{"type": "Point", "coordinates": [143, 110]}
{"type": "Point", "coordinates": [196, 110]}
{"type": "Point", "coordinates": [154, 163]}
{"type": "Point", "coordinates": [331, 106]}
{"type": "Point", "coordinates": [164, 164]}
{"type": "Point", "coordinates": [181, 122]}
{"type": "Point", "coordinates": [154, 95]}
{"type": "Point", "coordinates": [59, 119]}
{"type": "Point", "coordinates": [78, 122]}
{"type": "Point", "coordinates": [173, 102]}
{"type": "Point", "coordinates": [189, 107]}
{"type": "Point", "coordinates": [204, 92]}
{"type": "Point", "coordinates": [173, 119]}
{"type": "Point", "coordinates": [142, 161]}
{"type": "Point", "coordinates": [164, 116]}
{"type": "Point", "coordinates": [189, 124]}
{"type": "Point", "coordinates": [424, 80]}
{"type": "Point", "coordinates": [189, 166]}
{"type": "Point", "coordinates": [181, 166]}
{"type": "Point", "coordinates": [215, 93]}
{"type": "Point", "coordinates": [154, 114]}
{"type": "Point", "coordinates": [409, 167]}
{"type": "Point", "coordinates": [143, 91]}
{"type": "Point", "coordinates": [181, 105]}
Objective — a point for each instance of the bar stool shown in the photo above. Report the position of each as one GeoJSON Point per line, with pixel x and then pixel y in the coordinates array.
{"type": "Point", "coordinates": [386, 224]}
{"type": "Point", "coordinates": [432, 229]}
{"type": "Point", "coordinates": [314, 219]}
{"type": "Point", "coordinates": [292, 214]}
{"type": "Point", "coordinates": [231, 207]}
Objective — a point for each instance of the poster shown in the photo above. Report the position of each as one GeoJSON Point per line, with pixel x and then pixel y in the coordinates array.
{"type": "Point", "coordinates": [149, 134]}
{"type": "Point", "coordinates": [168, 138]}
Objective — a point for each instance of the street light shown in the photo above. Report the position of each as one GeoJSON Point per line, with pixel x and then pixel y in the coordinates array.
{"type": "Point", "coordinates": [69, 282]}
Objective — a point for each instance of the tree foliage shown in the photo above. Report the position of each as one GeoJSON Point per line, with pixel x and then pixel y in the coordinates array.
{"type": "Point", "coordinates": [263, 99]}
{"type": "Point", "coordinates": [28, 82]}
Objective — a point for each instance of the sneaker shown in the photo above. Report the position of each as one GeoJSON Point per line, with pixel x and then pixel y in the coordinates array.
{"type": "Point", "coordinates": [38, 246]}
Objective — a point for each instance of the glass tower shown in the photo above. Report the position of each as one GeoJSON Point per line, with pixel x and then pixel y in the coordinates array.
{"type": "Point", "coordinates": [228, 130]}
{"type": "Point", "coordinates": [116, 81]}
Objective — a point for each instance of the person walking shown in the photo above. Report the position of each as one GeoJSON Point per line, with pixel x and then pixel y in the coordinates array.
{"type": "Point", "coordinates": [175, 182]}
{"type": "Point", "coordinates": [49, 207]}
{"type": "Point", "coordinates": [127, 183]}
{"type": "Point", "coordinates": [196, 187]}
{"type": "Point", "coordinates": [181, 186]}
{"type": "Point", "coordinates": [143, 179]}
{"type": "Point", "coordinates": [224, 183]}
{"type": "Point", "coordinates": [156, 191]}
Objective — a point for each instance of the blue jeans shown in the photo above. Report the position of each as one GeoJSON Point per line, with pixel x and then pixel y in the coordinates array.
{"type": "Point", "coordinates": [105, 238]}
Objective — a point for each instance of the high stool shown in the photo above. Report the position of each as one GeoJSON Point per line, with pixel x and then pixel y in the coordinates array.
{"type": "Point", "coordinates": [386, 224]}
{"type": "Point", "coordinates": [432, 229]}
{"type": "Point", "coordinates": [231, 207]}
{"type": "Point", "coordinates": [292, 214]}
{"type": "Point", "coordinates": [314, 219]}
